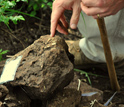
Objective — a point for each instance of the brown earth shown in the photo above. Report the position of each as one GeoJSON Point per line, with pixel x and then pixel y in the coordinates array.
{"type": "Point", "coordinates": [25, 33]}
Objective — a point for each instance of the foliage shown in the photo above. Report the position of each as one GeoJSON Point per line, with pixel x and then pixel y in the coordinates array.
{"type": "Point", "coordinates": [87, 75]}
{"type": "Point", "coordinates": [5, 15]}
{"type": "Point", "coordinates": [35, 5]}
{"type": "Point", "coordinates": [2, 53]}
{"type": "Point", "coordinates": [8, 11]}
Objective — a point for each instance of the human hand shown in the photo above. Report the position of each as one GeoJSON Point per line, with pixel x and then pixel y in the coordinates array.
{"type": "Point", "coordinates": [59, 6]}
{"type": "Point", "coordinates": [102, 8]}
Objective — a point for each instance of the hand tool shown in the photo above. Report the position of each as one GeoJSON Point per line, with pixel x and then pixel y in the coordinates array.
{"type": "Point", "coordinates": [110, 64]}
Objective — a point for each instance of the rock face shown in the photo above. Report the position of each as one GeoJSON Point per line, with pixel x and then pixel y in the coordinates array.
{"type": "Point", "coordinates": [42, 78]}
{"type": "Point", "coordinates": [44, 68]}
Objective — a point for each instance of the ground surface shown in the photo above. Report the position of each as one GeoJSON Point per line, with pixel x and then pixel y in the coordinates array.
{"type": "Point", "coordinates": [25, 33]}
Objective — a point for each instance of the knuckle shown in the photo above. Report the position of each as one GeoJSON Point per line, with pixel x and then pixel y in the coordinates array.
{"type": "Point", "coordinates": [111, 12]}
{"type": "Point", "coordinates": [56, 4]}
{"type": "Point", "coordinates": [100, 3]}
{"type": "Point", "coordinates": [105, 10]}
{"type": "Point", "coordinates": [88, 13]}
{"type": "Point", "coordinates": [85, 3]}
{"type": "Point", "coordinates": [53, 21]}
{"type": "Point", "coordinates": [78, 10]}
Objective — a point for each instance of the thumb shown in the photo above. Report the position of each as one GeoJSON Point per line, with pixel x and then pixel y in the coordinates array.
{"type": "Point", "coordinates": [75, 17]}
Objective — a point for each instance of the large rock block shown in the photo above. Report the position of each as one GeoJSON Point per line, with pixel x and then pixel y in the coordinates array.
{"type": "Point", "coordinates": [44, 68]}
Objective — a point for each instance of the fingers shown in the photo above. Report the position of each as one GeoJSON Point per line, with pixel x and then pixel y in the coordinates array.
{"type": "Point", "coordinates": [97, 8]}
{"type": "Point", "coordinates": [56, 14]}
{"type": "Point", "coordinates": [75, 15]}
{"type": "Point", "coordinates": [91, 11]}
{"type": "Point", "coordinates": [62, 29]}
{"type": "Point", "coordinates": [64, 22]}
{"type": "Point", "coordinates": [95, 11]}
{"type": "Point", "coordinates": [94, 3]}
{"type": "Point", "coordinates": [103, 15]}
{"type": "Point", "coordinates": [61, 26]}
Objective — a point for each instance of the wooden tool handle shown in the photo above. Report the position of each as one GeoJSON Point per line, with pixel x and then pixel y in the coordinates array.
{"type": "Point", "coordinates": [110, 64]}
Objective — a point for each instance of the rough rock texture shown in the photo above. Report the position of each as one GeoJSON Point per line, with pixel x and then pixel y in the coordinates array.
{"type": "Point", "coordinates": [44, 68]}
{"type": "Point", "coordinates": [97, 104]}
{"type": "Point", "coordinates": [1, 104]}
{"type": "Point", "coordinates": [121, 105]}
{"type": "Point", "coordinates": [85, 88]}
{"type": "Point", "coordinates": [1, 66]}
{"type": "Point", "coordinates": [16, 98]}
{"type": "Point", "coordinates": [3, 91]}
{"type": "Point", "coordinates": [65, 98]}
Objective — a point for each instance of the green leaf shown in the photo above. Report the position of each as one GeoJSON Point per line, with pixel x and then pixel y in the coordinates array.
{"type": "Point", "coordinates": [35, 7]}
{"type": "Point", "coordinates": [49, 4]}
{"type": "Point", "coordinates": [33, 13]}
{"type": "Point", "coordinates": [11, 4]}
{"type": "Point", "coordinates": [4, 52]}
{"type": "Point", "coordinates": [43, 5]}
{"type": "Point", "coordinates": [45, 1]}
{"type": "Point", "coordinates": [0, 50]}
{"type": "Point", "coordinates": [17, 0]}
{"type": "Point", "coordinates": [22, 0]}
{"type": "Point", "coordinates": [2, 10]}
{"type": "Point", "coordinates": [4, 19]}
{"type": "Point", "coordinates": [16, 18]}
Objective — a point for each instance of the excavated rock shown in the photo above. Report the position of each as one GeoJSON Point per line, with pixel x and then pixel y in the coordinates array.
{"type": "Point", "coordinates": [3, 91]}
{"type": "Point", "coordinates": [1, 66]}
{"type": "Point", "coordinates": [65, 98]}
{"type": "Point", "coordinates": [1, 104]}
{"type": "Point", "coordinates": [44, 68]}
{"type": "Point", "coordinates": [16, 98]}
{"type": "Point", "coordinates": [85, 89]}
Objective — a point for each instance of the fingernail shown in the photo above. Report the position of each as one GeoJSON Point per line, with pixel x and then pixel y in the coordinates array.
{"type": "Point", "coordinates": [73, 26]}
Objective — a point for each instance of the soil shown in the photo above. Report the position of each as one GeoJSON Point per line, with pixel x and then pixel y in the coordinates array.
{"type": "Point", "coordinates": [26, 32]}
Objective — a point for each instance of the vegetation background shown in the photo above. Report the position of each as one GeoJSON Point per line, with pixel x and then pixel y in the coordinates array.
{"type": "Point", "coordinates": [12, 12]}
{"type": "Point", "coordinates": [24, 21]}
